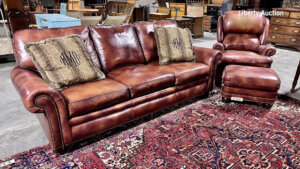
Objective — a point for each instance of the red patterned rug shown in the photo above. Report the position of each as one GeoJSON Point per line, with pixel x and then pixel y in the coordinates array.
{"type": "Point", "coordinates": [200, 133]}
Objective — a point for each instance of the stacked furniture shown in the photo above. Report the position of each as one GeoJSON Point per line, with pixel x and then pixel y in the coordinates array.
{"type": "Point", "coordinates": [242, 40]}
{"type": "Point", "coordinates": [161, 14]}
{"type": "Point", "coordinates": [195, 12]}
{"type": "Point", "coordinates": [135, 85]}
{"type": "Point", "coordinates": [285, 29]}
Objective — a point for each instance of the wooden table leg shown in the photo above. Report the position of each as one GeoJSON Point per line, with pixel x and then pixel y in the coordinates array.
{"type": "Point", "coordinates": [296, 78]}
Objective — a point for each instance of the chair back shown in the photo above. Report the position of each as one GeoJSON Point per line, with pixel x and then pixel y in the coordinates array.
{"type": "Point", "coordinates": [239, 31]}
{"type": "Point", "coordinates": [63, 8]}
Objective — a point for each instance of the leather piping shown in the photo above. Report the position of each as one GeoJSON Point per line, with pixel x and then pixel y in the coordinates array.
{"type": "Point", "coordinates": [49, 119]}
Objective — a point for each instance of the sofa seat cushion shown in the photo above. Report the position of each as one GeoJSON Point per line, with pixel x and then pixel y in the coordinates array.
{"type": "Point", "coordinates": [84, 98]}
{"type": "Point", "coordinates": [184, 72]}
{"type": "Point", "coordinates": [143, 79]}
{"type": "Point", "coordinates": [246, 58]}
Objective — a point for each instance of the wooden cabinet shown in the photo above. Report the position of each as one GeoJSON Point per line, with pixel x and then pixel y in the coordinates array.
{"type": "Point", "coordinates": [197, 26]}
{"type": "Point", "coordinates": [184, 23]}
{"type": "Point", "coordinates": [285, 29]}
{"type": "Point", "coordinates": [207, 23]}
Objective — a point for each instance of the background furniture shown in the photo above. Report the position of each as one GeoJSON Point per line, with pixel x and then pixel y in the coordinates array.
{"type": "Point", "coordinates": [247, 83]}
{"type": "Point", "coordinates": [207, 23]}
{"type": "Point", "coordinates": [3, 21]}
{"type": "Point", "coordinates": [197, 25]}
{"type": "Point", "coordinates": [183, 22]}
{"type": "Point", "coordinates": [285, 29]}
{"type": "Point", "coordinates": [161, 14]}
{"type": "Point", "coordinates": [296, 78]}
{"type": "Point", "coordinates": [90, 20]}
{"type": "Point", "coordinates": [119, 7]}
{"type": "Point", "coordinates": [242, 39]}
{"type": "Point", "coordinates": [55, 21]}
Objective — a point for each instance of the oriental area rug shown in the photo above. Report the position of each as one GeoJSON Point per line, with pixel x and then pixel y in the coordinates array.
{"type": "Point", "coordinates": [200, 133]}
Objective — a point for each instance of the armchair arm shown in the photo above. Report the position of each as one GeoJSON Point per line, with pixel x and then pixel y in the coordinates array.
{"type": "Point", "coordinates": [266, 50]}
{"type": "Point", "coordinates": [40, 98]}
{"type": "Point", "coordinates": [210, 57]}
{"type": "Point", "coordinates": [219, 46]}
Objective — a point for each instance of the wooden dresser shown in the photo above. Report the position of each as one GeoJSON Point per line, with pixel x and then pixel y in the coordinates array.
{"type": "Point", "coordinates": [285, 29]}
{"type": "Point", "coordinates": [207, 23]}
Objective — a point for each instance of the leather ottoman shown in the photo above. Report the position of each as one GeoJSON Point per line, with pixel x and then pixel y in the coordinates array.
{"type": "Point", "coordinates": [249, 83]}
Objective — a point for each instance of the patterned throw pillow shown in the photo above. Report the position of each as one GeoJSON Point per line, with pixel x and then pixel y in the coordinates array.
{"type": "Point", "coordinates": [174, 45]}
{"type": "Point", "coordinates": [63, 61]}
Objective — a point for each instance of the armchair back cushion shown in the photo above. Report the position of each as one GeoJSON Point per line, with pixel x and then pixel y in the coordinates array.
{"type": "Point", "coordinates": [29, 35]}
{"type": "Point", "coordinates": [117, 46]}
{"type": "Point", "coordinates": [145, 31]}
{"type": "Point", "coordinates": [241, 31]}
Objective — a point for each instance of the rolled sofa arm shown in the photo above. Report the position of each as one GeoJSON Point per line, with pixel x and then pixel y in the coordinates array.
{"type": "Point", "coordinates": [40, 98]}
{"type": "Point", "coordinates": [266, 50]}
{"type": "Point", "coordinates": [219, 46]}
{"type": "Point", "coordinates": [210, 57]}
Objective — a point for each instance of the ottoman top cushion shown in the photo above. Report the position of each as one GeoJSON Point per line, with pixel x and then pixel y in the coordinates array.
{"type": "Point", "coordinates": [248, 77]}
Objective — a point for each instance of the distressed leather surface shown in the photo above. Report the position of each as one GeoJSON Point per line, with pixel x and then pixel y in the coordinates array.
{"type": "Point", "coordinates": [95, 95]}
{"type": "Point", "coordinates": [219, 46]}
{"type": "Point", "coordinates": [35, 35]}
{"type": "Point", "coordinates": [250, 92]}
{"type": "Point", "coordinates": [266, 50]}
{"type": "Point", "coordinates": [126, 115]}
{"type": "Point", "coordinates": [234, 41]}
{"type": "Point", "coordinates": [143, 79]}
{"type": "Point", "coordinates": [246, 58]}
{"type": "Point", "coordinates": [150, 88]}
{"type": "Point", "coordinates": [234, 22]}
{"type": "Point", "coordinates": [220, 33]}
{"type": "Point", "coordinates": [117, 46]}
{"type": "Point", "coordinates": [250, 98]}
{"type": "Point", "coordinates": [133, 102]}
{"type": "Point", "coordinates": [211, 58]}
{"type": "Point", "coordinates": [145, 32]}
{"type": "Point", "coordinates": [40, 98]}
{"type": "Point", "coordinates": [184, 72]}
{"type": "Point", "coordinates": [249, 77]}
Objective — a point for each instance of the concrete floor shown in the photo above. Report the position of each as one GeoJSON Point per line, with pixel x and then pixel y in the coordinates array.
{"type": "Point", "coordinates": [20, 130]}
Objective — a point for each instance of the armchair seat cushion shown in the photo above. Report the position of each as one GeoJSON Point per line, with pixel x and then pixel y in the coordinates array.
{"type": "Point", "coordinates": [184, 72]}
{"type": "Point", "coordinates": [143, 79]}
{"type": "Point", "coordinates": [84, 98]}
{"type": "Point", "coordinates": [246, 58]}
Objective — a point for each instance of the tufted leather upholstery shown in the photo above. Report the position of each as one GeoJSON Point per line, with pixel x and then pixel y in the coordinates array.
{"type": "Point", "coordinates": [117, 46]}
{"type": "Point", "coordinates": [242, 39]}
{"type": "Point", "coordinates": [133, 87]}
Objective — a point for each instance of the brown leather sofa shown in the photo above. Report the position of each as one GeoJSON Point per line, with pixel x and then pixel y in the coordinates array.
{"type": "Point", "coordinates": [136, 84]}
{"type": "Point", "coordinates": [242, 40]}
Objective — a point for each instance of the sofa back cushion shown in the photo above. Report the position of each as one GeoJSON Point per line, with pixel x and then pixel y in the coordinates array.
{"type": "Point", "coordinates": [238, 22]}
{"type": "Point", "coordinates": [145, 31]}
{"type": "Point", "coordinates": [235, 41]}
{"type": "Point", "coordinates": [117, 46]}
{"type": "Point", "coordinates": [35, 35]}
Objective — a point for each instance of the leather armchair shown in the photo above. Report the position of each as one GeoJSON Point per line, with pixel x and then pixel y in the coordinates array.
{"type": "Point", "coordinates": [242, 40]}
